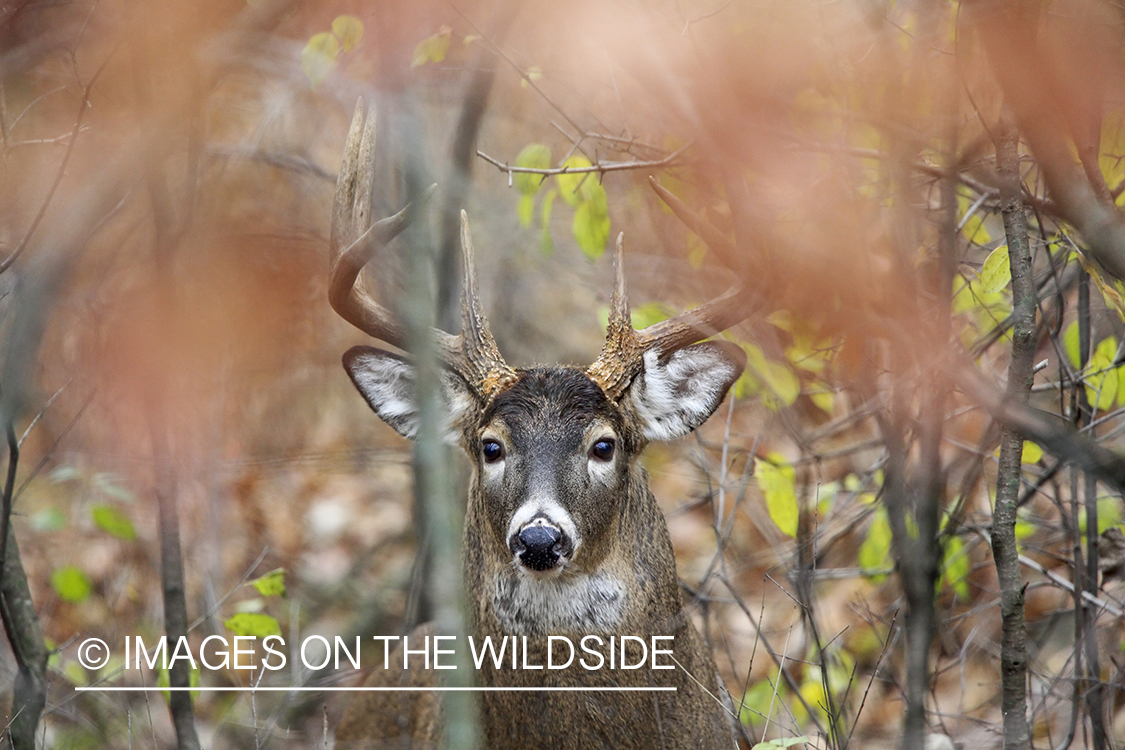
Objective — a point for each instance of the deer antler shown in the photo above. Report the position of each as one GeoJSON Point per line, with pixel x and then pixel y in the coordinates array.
{"type": "Point", "coordinates": [354, 242]}
{"type": "Point", "coordinates": [622, 355]}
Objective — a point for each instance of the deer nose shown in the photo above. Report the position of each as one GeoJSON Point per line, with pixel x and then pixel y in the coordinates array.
{"type": "Point", "coordinates": [539, 545]}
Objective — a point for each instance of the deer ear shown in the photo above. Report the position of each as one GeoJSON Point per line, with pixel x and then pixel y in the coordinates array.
{"type": "Point", "coordinates": [386, 381]}
{"type": "Point", "coordinates": [677, 393]}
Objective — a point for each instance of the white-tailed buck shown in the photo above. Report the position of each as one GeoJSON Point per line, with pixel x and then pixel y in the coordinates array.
{"type": "Point", "coordinates": [562, 535]}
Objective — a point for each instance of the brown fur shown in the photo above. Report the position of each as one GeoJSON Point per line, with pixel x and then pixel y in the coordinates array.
{"type": "Point", "coordinates": [545, 420]}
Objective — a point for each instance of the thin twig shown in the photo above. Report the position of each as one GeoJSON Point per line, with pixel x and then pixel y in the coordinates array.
{"type": "Point", "coordinates": [7, 262]}
{"type": "Point", "coordinates": [599, 168]}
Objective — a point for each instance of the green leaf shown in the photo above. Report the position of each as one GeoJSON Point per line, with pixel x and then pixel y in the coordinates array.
{"type": "Point", "coordinates": [71, 584]}
{"type": "Point", "coordinates": [875, 551]}
{"type": "Point", "coordinates": [591, 227]}
{"type": "Point", "coordinates": [756, 701]}
{"type": "Point", "coordinates": [996, 273]}
{"type": "Point", "coordinates": [318, 58]}
{"type": "Point", "coordinates": [571, 186]}
{"type": "Point", "coordinates": [956, 567]}
{"type": "Point", "coordinates": [1101, 383]}
{"type": "Point", "coordinates": [113, 521]}
{"type": "Point", "coordinates": [75, 673]}
{"type": "Point", "coordinates": [532, 156]}
{"type": "Point", "coordinates": [778, 487]}
{"type": "Point", "coordinates": [526, 209]}
{"type": "Point", "coordinates": [349, 30]}
{"type": "Point", "coordinates": [1024, 529]}
{"type": "Point", "coordinates": [1109, 514]}
{"type": "Point", "coordinates": [253, 623]}
{"type": "Point", "coordinates": [432, 48]}
{"type": "Point", "coordinates": [271, 584]}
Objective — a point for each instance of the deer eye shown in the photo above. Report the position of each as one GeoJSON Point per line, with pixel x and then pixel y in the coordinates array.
{"type": "Point", "coordinates": [492, 451]}
{"type": "Point", "coordinates": [602, 450]}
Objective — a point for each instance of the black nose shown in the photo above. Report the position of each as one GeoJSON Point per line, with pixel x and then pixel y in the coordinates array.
{"type": "Point", "coordinates": [541, 546]}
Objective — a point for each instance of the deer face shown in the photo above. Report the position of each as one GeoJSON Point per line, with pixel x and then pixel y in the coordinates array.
{"type": "Point", "coordinates": [551, 458]}
{"type": "Point", "coordinates": [552, 452]}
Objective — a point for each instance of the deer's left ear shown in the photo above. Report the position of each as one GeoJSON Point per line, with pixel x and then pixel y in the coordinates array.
{"type": "Point", "coordinates": [676, 394]}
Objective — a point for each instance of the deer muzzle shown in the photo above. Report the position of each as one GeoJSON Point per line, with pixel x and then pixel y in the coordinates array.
{"type": "Point", "coordinates": [540, 545]}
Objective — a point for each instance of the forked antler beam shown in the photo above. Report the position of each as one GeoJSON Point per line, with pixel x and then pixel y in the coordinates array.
{"type": "Point", "coordinates": [355, 241]}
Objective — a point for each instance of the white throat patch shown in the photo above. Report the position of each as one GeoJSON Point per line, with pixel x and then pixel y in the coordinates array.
{"type": "Point", "coordinates": [588, 604]}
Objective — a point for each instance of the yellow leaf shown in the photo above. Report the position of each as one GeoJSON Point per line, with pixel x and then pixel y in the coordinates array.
{"type": "Point", "coordinates": [1101, 382]}
{"type": "Point", "coordinates": [526, 210]}
{"type": "Point", "coordinates": [319, 56]}
{"type": "Point", "coordinates": [349, 30]}
{"type": "Point", "coordinates": [251, 623]}
{"type": "Point", "coordinates": [432, 48]}
{"type": "Point", "coordinates": [591, 228]}
{"type": "Point", "coordinates": [996, 274]}
{"type": "Point", "coordinates": [1111, 292]}
{"type": "Point", "coordinates": [778, 486]}
{"type": "Point", "coordinates": [571, 186]}
{"type": "Point", "coordinates": [1070, 344]}
{"type": "Point", "coordinates": [531, 156]}
{"type": "Point", "coordinates": [875, 551]}
{"type": "Point", "coordinates": [824, 398]}
{"type": "Point", "coordinates": [974, 230]}
{"type": "Point", "coordinates": [782, 382]}
{"type": "Point", "coordinates": [534, 73]}
{"type": "Point", "coordinates": [783, 319]}
{"type": "Point", "coordinates": [1032, 453]}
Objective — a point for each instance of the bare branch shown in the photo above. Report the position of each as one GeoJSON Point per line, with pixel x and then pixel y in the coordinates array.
{"type": "Point", "coordinates": [600, 168]}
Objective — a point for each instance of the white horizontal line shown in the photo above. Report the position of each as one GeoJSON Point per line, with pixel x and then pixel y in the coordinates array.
{"type": "Point", "coordinates": [275, 689]}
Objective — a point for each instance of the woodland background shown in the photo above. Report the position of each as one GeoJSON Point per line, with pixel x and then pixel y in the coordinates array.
{"type": "Point", "coordinates": [924, 193]}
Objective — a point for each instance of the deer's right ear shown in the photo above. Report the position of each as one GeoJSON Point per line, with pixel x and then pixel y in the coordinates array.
{"type": "Point", "coordinates": [386, 381]}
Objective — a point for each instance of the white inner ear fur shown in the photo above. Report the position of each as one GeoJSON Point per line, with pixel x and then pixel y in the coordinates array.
{"type": "Point", "coordinates": [387, 383]}
{"type": "Point", "coordinates": [674, 397]}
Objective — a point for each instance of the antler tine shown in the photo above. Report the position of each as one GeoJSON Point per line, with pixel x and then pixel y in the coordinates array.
{"type": "Point", "coordinates": [620, 359]}
{"type": "Point", "coordinates": [485, 368]}
{"type": "Point", "coordinates": [622, 356]}
{"type": "Point", "coordinates": [354, 241]}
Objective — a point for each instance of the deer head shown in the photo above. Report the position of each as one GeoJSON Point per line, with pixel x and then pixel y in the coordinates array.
{"type": "Point", "coordinates": [553, 447]}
